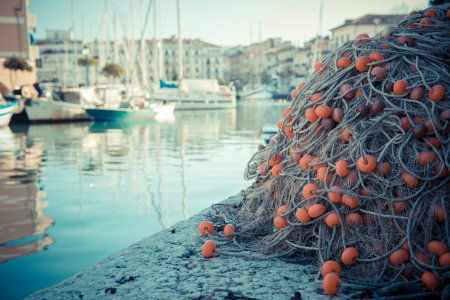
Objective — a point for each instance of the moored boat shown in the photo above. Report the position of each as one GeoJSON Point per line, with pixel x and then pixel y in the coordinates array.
{"type": "Point", "coordinates": [6, 112]}
{"type": "Point", "coordinates": [120, 114]}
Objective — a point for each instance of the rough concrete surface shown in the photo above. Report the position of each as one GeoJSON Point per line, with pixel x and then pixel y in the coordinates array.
{"type": "Point", "coordinates": [171, 265]}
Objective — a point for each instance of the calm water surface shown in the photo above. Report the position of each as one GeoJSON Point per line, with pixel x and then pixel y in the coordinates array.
{"type": "Point", "coordinates": [72, 194]}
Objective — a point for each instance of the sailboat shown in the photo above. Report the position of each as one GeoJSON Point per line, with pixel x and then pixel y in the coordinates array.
{"type": "Point", "coordinates": [192, 93]}
{"type": "Point", "coordinates": [6, 112]}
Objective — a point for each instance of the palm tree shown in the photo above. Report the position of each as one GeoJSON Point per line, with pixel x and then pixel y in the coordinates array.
{"type": "Point", "coordinates": [16, 63]}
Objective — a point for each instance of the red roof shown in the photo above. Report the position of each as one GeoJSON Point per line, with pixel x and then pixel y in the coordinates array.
{"type": "Point", "coordinates": [373, 19]}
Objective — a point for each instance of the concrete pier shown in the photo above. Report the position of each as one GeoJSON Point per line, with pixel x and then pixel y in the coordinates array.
{"type": "Point", "coordinates": [170, 265]}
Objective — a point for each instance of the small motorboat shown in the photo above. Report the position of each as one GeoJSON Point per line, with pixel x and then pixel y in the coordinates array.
{"type": "Point", "coordinates": [6, 112]}
{"type": "Point", "coordinates": [270, 127]}
{"type": "Point", "coordinates": [120, 114]}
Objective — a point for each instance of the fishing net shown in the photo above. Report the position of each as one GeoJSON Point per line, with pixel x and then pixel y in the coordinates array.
{"type": "Point", "coordinates": [378, 129]}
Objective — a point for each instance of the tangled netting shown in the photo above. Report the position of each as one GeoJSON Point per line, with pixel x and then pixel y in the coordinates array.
{"type": "Point", "coordinates": [403, 203]}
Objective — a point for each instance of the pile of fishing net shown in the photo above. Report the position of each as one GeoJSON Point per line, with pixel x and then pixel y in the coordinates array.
{"type": "Point", "coordinates": [357, 175]}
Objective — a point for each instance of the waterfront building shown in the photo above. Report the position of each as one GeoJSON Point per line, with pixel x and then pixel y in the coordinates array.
{"type": "Point", "coordinates": [15, 24]}
{"type": "Point", "coordinates": [368, 24]}
{"type": "Point", "coordinates": [201, 60]}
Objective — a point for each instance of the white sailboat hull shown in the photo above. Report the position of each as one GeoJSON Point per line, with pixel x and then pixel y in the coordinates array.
{"type": "Point", "coordinates": [43, 109]}
{"type": "Point", "coordinates": [196, 101]}
{"type": "Point", "coordinates": [6, 113]}
{"type": "Point", "coordinates": [256, 94]}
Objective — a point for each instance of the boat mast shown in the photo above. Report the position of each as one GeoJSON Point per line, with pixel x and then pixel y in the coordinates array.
{"type": "Point", "coordinates": [101, 57]}
{"type": "Point", "coordinates": [180, 44]}
{"type": "Point", "coordinates": [106, 24]}
{"type": "Point", "coordinates": [160, 43]}
{"type": "Point", "coordinates": [318, 50]}
{"type": "Point", "coordinates": [132, 48]}
{"type": "Point", "coordinates": [66, 62]}
{"type": "Point", "coordinates": [74, 47]}
{"type": "Point", "coordinates": [143, 51]}
{"type": "Point", "coordinates": [116, 45]}
{"type": "Point", "coordinates": [155, 47]}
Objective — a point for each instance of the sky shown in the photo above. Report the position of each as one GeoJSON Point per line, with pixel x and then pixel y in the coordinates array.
{"type": "Point", "coordinates": [220, 22]}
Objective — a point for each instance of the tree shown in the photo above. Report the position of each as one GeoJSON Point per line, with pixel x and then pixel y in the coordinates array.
{"type": "Point", "coordinates": [112, 70]}
{"type": "Point", "coordinates": [14, 64]}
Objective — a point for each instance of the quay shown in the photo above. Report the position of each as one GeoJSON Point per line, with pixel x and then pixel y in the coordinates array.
{"type": "Point", "coordinates": [170, 265]}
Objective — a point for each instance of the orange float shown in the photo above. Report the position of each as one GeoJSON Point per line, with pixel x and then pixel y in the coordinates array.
{"type": "Point", "coordinates": [439, 212]}
{"type": "Point", "coordinates": [342, 168]}
{"type": "Point", "coordinates": [437, 94]}
{"type": "Point", "coordinates": [431, 281]}
{"type": "Point", "coordinates": [311, 115]}
{"type": "Point", "coordinates": [444, 260]}
{"type": "Point", "coordinates": [305, 160]}
{"type": "Point", "coordinates": [399, 256]}
{"type": "Point", "coordinates": [316, 97]}
{"type": "Point", "coordinates": [410, 180]}
{"type": "Point", "coordinates": [323, 111]}
{"type": "Point", "coordinates": [281, 210]}
{"type": "Point", "coordinates": [302, 215]}
{"type": "Point", "coordinates": [333, 219]}
{"type": "Point", "coordinates": [322, 172]}
{"type": "Point", "coordinates": [376, 56]}
{"type": "Point", "coordinates": [208, 249]}
{"type": "Point", "coordinates": [347, 135]}
{"type": "Point", "coordinates": [301, 85]}
{"type": "Point", "coordinates": [293, 94]}
{"type": "Point", "coordinates": [335, 197]}
{"type": "Point", "coordinates": [277, 169]}
{"type": "Point", "coordinates": [262, 167]}
{"type": "Point", "coordinates": [350, 201]}
{"type": "Point", "coordinates": [317, 167]}
{"type": "Point", "coordinates": [361, 63]}
{"type": "Point", "coordinates": [275, 160]}
{"type": "Point", "coordinates": [437, 247]}
{"type": "Point", "coordinates": [280, 222]}
{"type": "Point", "coordinates": [316, 210]}
{"type": "Point", "coordinates": [331, 266]}
{"type": "Point", "coordinates": [289, 131]}
{"type": "Point", "coordinates": [369, 166]}
{"type": "Point", "coordinates": [206, 225]}
{"type": "Point", "coordinates": [229, 229]}
{"type": "Point", "coordinates": [308, 189]}
{"type": "Point", "coordinates": [426, 158]}
{"type": "Point", "coordinates": [344, 62]}
{"type": "Point", "coordinates": [400, 87]}
{"type": "Point", "coordinates": [349, 255]}
{"type": "Point", "coordinates": [318, 66]}
{"type": "Point", "coordinates": [330, 284]}
{"type": "Point", "coordinates": [353, 219]}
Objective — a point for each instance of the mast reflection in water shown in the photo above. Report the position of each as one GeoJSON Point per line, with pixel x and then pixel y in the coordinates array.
{"type": "Point", "coordinates": [83, 191]}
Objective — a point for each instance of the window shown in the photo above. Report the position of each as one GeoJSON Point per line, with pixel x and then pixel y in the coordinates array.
{"type": "Point", "coordinates": [342, 38]}
{"type": "Point", "coordinates": [173, 70]}
{"type": "Point", "coordinates": [196, 52]}
{"type": "Point", "coordinates": [348, 37]}
{"type": "Point", "coordinates": [196, 60]}
{"type": "Point", "coordinates": [187, 60]}
{"type": "Point", "coordinates": [196, 70]}
{"type": "Point", "coordinates": [166, 53]}
{"type": "Point", "coordinates": [187, 53]}
{"type": "Point", "coordinates": [151, 52]}
{"type": "Point", "coordinates": [187, 70]}
{"type": "Point", "coordinates": [207, 61]}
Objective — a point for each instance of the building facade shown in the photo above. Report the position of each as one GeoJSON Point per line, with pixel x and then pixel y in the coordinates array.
{"type": "Point", "coordinates": [201, 60]}
{"type": "Point", "coordinates": [368, 24]}
{"type": "Point", "coordinates": [15, 24]}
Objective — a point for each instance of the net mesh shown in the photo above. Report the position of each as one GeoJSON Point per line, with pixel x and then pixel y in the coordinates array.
{"type": "Point", "coordinates": [402, 204]}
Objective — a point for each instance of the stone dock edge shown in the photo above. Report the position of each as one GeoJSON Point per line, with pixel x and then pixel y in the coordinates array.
{"type": "Point", "coordinates": [170, 265]}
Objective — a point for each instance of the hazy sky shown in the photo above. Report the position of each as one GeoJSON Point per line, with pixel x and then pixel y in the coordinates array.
{"type": "Point", "coordinates": [221, 22]}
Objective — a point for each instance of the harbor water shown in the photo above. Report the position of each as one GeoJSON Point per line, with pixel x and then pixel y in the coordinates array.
{"type": "Point", "coordinates": [72, 194]}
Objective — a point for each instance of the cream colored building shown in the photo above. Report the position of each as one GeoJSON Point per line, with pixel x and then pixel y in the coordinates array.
{"type": "Point", "coordinates": [368, 24]}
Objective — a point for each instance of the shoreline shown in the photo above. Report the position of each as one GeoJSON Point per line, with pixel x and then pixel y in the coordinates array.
{"type": "Point", "coordinates": [170, 265]}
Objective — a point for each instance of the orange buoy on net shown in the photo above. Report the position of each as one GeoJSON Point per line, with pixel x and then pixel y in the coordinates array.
{"type": "Point", "coordinates": [349, 255]}
{"type": "Point", "coordinates": [281, 210]}
{"type": "Point", "coordinates": [206, 225]}
{"type": "Point", "coordinates": [229, 229]}
{"type": "Point", "coordinates": [329, 267]}
{"type": "Point", "coordinates": [302, 215]}
{"type": "Point", "coordinates": [208, 248]}
{"type": "Point", "coordinates": [280, 222]}
{"type": "Point", "coordinates": [330, 283]}
{"type": "Point", "coordinates": [333, 219]}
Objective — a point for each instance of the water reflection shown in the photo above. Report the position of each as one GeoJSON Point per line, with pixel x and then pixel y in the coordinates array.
{"type": "Point", "coordinates": [22, 220]}
{"type": "Point", "coordinates": [83, 191]}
